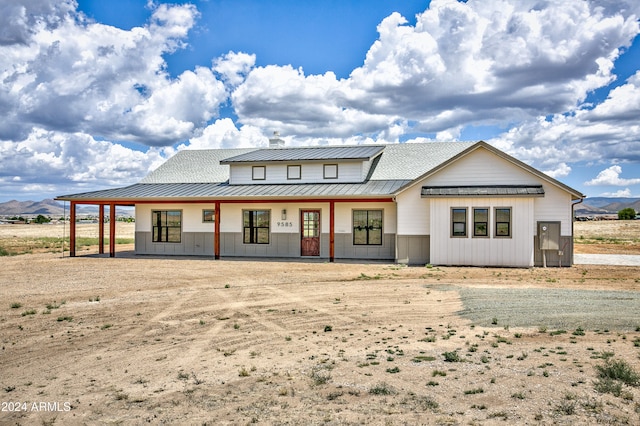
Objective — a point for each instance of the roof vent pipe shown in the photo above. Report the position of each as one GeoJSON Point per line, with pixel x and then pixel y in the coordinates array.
{"type": "Point", "coordinates": [275, 141]}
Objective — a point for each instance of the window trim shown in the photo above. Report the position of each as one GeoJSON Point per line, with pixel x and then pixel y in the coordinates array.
{"type": "Point", "coordinates": [254, 169]}
{"type": "Point", "coordinates": [509, 223]}
{"type": "Point", "coordinates": [253, 236]}
{"type": "Point", "coordinates": [212, 212]}
{"type": "Point", "coordinates": [453, 223]}
{"type": "Point", "coordinates": [486, 234]}
{"type": "Point", "coordinates": [368, 228]}
{"type": "Point", "coordinates": [293, 167]}
{"type": "Point", "coordinates": [325, 168]}
{"type": "Point", "coordinates": [165, 227]}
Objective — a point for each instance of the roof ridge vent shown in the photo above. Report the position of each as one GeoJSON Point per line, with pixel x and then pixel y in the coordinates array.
{"type": "Point", "coordinates": [275, 141]}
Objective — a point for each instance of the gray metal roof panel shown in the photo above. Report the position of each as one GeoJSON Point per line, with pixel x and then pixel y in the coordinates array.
{"type": "Point", "coordinates": [316, 153]}
{"type": "Point", "coordinates": [168, 191]}
{"type": "Point", "coordinates": [483, 191]}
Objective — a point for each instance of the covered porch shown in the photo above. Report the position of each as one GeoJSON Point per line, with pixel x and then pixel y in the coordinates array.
{"type": "Point", "coordinates": [73, 207]}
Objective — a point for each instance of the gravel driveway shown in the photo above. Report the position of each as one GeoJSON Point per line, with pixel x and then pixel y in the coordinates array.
{"type": "Point", "coordinates": [607, 259]}
{"type": "Point", "coordinates": [552, 308]}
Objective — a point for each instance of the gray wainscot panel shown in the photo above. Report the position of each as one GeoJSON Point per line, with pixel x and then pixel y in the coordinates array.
{"type": "Point", "coordinates": [345, 249]}
{"type": "Point", "coordinates": [553, 259]}
{"type": "Point", "coordinates": [191, 244]}
{"type": "Point", "coordinates": [413, 249]}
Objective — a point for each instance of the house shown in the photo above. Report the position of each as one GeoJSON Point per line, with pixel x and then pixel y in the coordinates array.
{"type": "Point", "coordinates": [455, 203]}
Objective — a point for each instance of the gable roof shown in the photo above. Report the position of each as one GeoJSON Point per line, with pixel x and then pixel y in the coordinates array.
{"type": "Point", "coordinates": [195, 166]}
{"type": "Point", "coordinates": [412, 160]}
{"type": "Point", "coordinates": [483, 145]}
{"type": "Point", "coordinates": [197, 174]}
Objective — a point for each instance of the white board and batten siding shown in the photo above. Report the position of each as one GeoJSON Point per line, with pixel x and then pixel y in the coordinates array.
{"type": "Point", "coordinates": [344, 216]}
{"type": "Point", "coordinates": [348, 172]}
{"type": "Point", "coordinates": [516, 250]}
{"type": "Point", "coordinates": [482, 167]}
{"type": "Point", "coordinates": [231, 216]}
{"type": "Point", "coordinates": [432, 216]}
{"type": "Point", "coordinates": [553, 207]}
{"type": "Point", "coordinates": [413, 212]}
{"type": "Point", "coordinates": [191, 216]}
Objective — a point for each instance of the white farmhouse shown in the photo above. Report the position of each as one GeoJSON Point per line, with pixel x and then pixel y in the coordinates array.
{"type": "Point", "coordinates": [440, 203]}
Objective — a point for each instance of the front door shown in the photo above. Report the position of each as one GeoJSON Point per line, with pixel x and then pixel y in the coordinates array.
{"type": "Point", "coordinates": [310, 232]}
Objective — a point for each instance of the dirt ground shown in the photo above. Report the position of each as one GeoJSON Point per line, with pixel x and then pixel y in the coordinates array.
{"type": "Point", "coordinates": [133, 339]}
{"type": "Point", "coordinates": [607, 237]}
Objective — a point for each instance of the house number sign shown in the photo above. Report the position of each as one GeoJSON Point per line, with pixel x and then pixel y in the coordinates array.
{"type": "Point", "coordinates": [284, 224]}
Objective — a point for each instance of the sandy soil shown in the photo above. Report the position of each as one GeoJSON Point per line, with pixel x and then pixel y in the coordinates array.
{"type": "Point", "coordinates": [607, 237]}
{"type": "Point", "coordinates": [132, 340]}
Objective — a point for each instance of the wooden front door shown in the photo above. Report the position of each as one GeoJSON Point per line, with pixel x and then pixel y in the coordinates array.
{"type": "Point", "coordinates": [310, 232]}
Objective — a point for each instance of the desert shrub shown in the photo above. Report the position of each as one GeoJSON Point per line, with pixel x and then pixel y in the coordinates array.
{"type": "Point", "coordinates": [619, 370]}
{"type": "Point", "coordinates": [452, 357]}
{"type": "Point", "coordinates": [320, 375]}
{"type": "Point", "coordinates": [382, 389]}
{"type": "Point", "coordinates": [606, 385]}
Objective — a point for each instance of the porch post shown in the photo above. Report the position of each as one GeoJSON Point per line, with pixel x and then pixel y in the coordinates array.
{"type": "Point", "coordinates": [100, 228]}
{"type": "Point", "coordinates": [216, 232]}
{"type": "Point", "coordinates": [72, 229]}
{"type": "Point", "coordinates": [112, 230]}
{"type": "Point", "coordinates": [331, 230]}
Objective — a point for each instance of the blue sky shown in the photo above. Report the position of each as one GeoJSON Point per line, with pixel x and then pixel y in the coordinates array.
{"type": "Point", "coordinates": [96, 94]}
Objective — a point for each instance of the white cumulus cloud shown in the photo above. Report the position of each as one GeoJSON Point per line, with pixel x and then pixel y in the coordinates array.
{"type": "Point", "coordinates": [490, 62]}
{"type": "Point", "coordinates": [68, 74]}
{"type": "Point", "coordinates": [611, 176]}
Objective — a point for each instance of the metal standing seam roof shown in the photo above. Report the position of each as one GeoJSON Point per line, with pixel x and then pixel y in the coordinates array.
{"type": "Point", "coordinates": [361, 152]}
{"type": "Point", "coordinates": [483, 191]}
{"type": "Point", "coordinates": [197, 174]}
{"type": "Point", "coordinates": [179, 191]}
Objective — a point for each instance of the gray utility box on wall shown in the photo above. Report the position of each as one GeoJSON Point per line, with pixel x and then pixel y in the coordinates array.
{"type": "Point", "coordinates": [549, 235]}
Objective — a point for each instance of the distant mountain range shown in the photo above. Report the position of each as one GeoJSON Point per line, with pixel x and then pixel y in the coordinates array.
{"type": "Point", "coordinates": [49, 207]}
{"type": "Point", "coordinates": [606, 205]}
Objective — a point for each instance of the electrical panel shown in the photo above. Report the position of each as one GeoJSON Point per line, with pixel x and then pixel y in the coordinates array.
{"type": "Point", "coordinates": [549, 235]}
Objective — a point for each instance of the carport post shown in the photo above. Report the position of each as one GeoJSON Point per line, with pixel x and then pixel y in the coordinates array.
{"type": "Point", "coordinates": [72, 229]}
{"type": "Point", "coordinates": [112, 230]}
{"type": "Point", "coordinates": [100, 228]}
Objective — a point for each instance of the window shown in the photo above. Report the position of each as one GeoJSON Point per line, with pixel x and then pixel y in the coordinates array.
{"type": "Point", "coordinates": [503, 221]}
{"type": "Point", "coordinates": [208, 215]}
{"type": "Point", "coordinates": [294, 172]}
{"type": "Point", "coordinates": [458, 222]}
{"type": "Point", "coordinates": [167, 226]}
{"type": "Point", "coordinates": [367, 227]}
{"type": "Point", "coordinates": [256, 225]}
{"type": "Point", "coordinates": [330, 171]}
{"type": "Point", "coordinates": [480, 222]}
{"type": "Point", "coordinates": [258, 173]}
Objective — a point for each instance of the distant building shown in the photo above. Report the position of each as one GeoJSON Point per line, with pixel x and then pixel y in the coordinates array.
{"type": "Point", "coordinates": [440, 203]}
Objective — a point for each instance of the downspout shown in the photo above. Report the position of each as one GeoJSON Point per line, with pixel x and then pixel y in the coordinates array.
{"type": "Point", "coordinates": [573, 219]}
